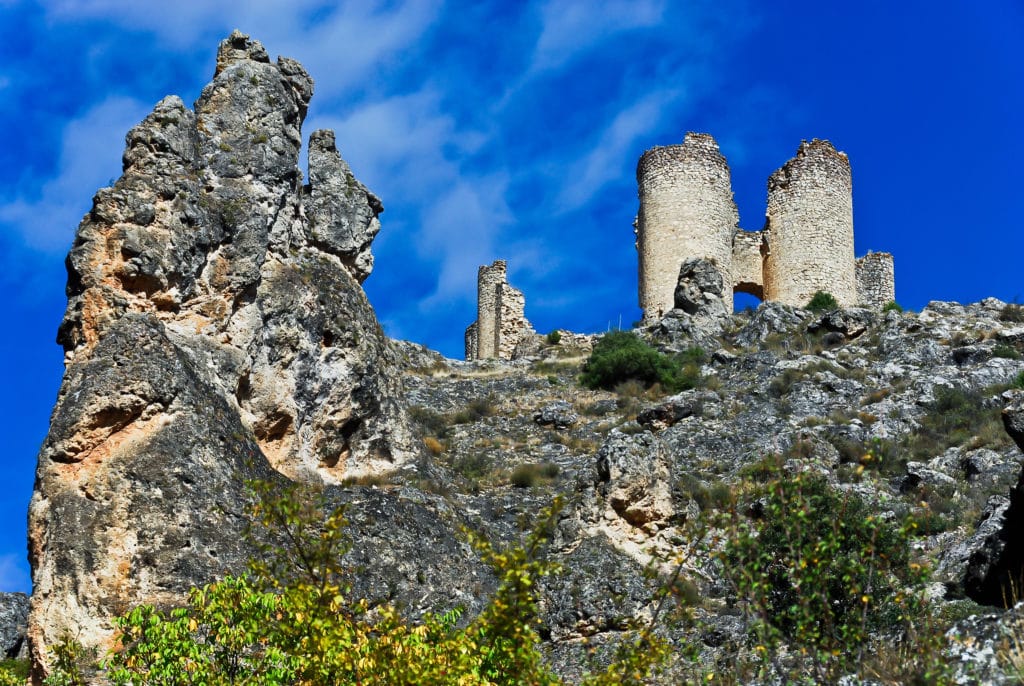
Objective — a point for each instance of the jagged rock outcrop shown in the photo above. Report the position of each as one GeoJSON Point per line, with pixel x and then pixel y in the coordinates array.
{"type": "Point", "coordinates": [13, 619]}
{"type": "Point", "coordinates": [215, 330]}
{"type": "Point", "coordinates": [998, 561]}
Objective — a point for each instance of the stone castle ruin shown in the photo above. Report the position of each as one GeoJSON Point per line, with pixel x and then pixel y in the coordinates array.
{"type": "Point", "coordinates": [687, 211]}
{"type": "Point", "coordinates": [500, 320]}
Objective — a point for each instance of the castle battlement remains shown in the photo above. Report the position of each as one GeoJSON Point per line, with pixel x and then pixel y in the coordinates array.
{"type": "Point", "coordinates": [687, 210]}
{"type": "Point", "coordinates": [500, 317]}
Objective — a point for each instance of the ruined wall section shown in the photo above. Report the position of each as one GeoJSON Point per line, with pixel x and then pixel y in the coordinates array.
{"type": "Point", "coordinates": [512, 324]}
{"type": "Point", "coordinates": [748, 253]}
{"type": "Point", "coordinates": [876, 280]}
{"type": "Point", "coordinates": [501, 316]}
{"type": "Point", "coordinates": [488, 279]}
{"type": "Point", "coordinates": [686, 210]}
{"type": "Point", "coordinates": [810, 228]}
{"type": "Point", "coordinates": [471, 341]}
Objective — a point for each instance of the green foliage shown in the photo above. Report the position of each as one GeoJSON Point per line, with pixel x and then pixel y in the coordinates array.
{"type": "Point", "coordinates": [892, 306]}
{"type": "Point", "coordinates": [14, 672]}
{"type": "Point", "coordinates": [822, 302]}
{"type": "Point", "coordinates": [821, 571]}
{"type": "Point", "coordinates": [291, 620]}
{"type": "Point", "coordinates": [621, 356]}
{"type": "Point", "coordinates": [1018, 381]}
{"type": "Point", "coordinates": [477, 409]}
{"type": "Point", "coordinates": [956, 417]}
{"type": "Point", "coordinates": [1006, 351]}
{"type": "Point", "coordinates": [553, 337]}
{"type": "Point", "coordinates": [1012, 312]}
{"type": "Point", "coordinates": [73, 664]}
{"type": "Point", "coordinates": [530, 474]}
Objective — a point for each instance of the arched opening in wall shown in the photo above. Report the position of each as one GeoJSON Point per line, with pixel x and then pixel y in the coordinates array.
{"type": "Point", "coordinates": [747, 295]}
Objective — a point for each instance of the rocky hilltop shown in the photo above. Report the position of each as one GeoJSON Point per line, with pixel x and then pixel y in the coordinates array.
{"type": "Point", "coordinates": [216, 331]}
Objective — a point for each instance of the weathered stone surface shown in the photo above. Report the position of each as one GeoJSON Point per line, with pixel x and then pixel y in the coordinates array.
{"type": "Point", "coordinates": [13, 623]}
{"type": "Point", "coordinates": [634, 473]}
{"type": "Point", "coordinates": [699, 289]}
{"type": "Point", "coordinates": [668, 413]}
{"type": "Point", "coordinates": [215, 331]}
{"type": "Point", "coordinates": [851, 322]}
{"type": "Point", "coordinates": [769, 318]}
{"type": "Point", "coordinates": [558, 415]}
{"type": "Point", "coordinates": [342, 212]}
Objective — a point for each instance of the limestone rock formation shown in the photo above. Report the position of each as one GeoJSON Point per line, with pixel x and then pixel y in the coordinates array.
{"type": "Point", "coordinates": [215, 330]}
{"type": "Point", "coordinates": [13, 618]}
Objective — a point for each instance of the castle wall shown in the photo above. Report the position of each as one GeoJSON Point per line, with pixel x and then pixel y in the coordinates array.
{"type": "Point", "coordinates": [471, 341]}
{"type": "Point", "coordinates": [810, 228]}
{"type": "Point", "coordinates": [686, 210]}
{"type": "Point", "coordinates": [748, 262]}
{"type": "Point", "coordinates": [487, 282]}
{"type": "Point", "coordinates": [500, 316]}
{"type": "Point", "coordinates": [512, 324]}
{"type": "Point", "coordinates": [876, 280]}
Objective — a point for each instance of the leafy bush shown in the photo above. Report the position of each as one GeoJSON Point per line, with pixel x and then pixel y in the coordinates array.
{"type": "Point", "coordinates": [1012, 312]}
{"type": "Point", "coordinates": [291, 620]}
{"type": "Point", "coordinates": [823, 572]}
{"type": "Point", "coordinates": [1005, 351]}
{"type": "Point", "coordinates": [13, 672]}
{"type": "Point", "coordinates": [553, 337]}
{"type": "Point", "coordinates": [621, 356]}
{"type": "Point", "coordinates": [892, 306]}
{"type": "Point", "coordinates": [822, 302]}
{"type": "Point", "coordinates": [530, 475]}
{"type": "Point", "coordinates": [955, 417]}
{"type": "Point", "coordinates": [477, 409]}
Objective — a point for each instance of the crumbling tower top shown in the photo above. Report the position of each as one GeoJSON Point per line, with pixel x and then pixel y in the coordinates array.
{"type": "Point", "coordinates": [686, 210]}
{"type": "Point", "coordinates": [809, 227]}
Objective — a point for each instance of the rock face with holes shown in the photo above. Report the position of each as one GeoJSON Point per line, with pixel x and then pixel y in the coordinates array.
{"type": "Point", "coordinates": [216, 330]}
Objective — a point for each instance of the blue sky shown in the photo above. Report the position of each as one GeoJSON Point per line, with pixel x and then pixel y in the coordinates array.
{"type": "Point", "coordinates": [512, 130]}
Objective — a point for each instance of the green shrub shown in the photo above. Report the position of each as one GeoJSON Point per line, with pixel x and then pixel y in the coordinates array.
{"type": "Point", "coordinates": [1005, 351]}
{"type": "Point", "coordinates": [291, 620]}
{"type": "Point", "coordinates": [1018, 381]}
{"type": "Point", "coordinates": [530, 475]}
{"type": "Point", "coordinates": [1012, 312]}
{"type": "Point", "coordinates": [477, 409]}
{"type": "Point", "coordinates": [892, 306]}
{"type": "Point", "coordinates": [553, 337]}
{"type": "Point", "coordinates": [621, 356]}
{"type": "Point", "coordinates": [14, 672]}
{"type": "Point", "coordinates": [955, 417]}
{"type": "Point", "coordinates": [822, 302]}
{"type": "Point", "coordinates": [824, 573]}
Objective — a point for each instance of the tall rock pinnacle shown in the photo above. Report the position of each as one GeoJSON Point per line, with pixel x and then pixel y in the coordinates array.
{"type": "Point", "coordinates": [215, 330]}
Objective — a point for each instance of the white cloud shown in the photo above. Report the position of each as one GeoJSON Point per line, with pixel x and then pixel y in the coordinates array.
{"type": "Point", "coordinates": [616, 148]}
{"type": "Point", "coordinates": [90, 156]}
{"type": "Point", "coordinates": [571, 27]}
{"type": "Point", "coordinates": [416, 157]}
{"type": "Point", "coordinates": [14, 575]}
{"type": "Point", "coordinates": [338, 47]}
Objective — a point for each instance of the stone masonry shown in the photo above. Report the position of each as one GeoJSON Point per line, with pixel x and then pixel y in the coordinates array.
{"type": "Point", "coordinates": [809, 228]}
{"type": "Point", "coordinates": [500, 321]}
{"type": "Point", "coordinates": [687, 211]}
{"type": "Point", "coordinates": [876, 280]}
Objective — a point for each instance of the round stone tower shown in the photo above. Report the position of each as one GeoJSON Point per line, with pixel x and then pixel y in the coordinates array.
{"type": "Point", "coordinates": [809, 228]}
{"type": "Point", "coordinates": [488, 280]}
{"type": "Point", "coordinates": [686, 210]}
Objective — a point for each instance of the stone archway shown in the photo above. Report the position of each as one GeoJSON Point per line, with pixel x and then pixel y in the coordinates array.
{"type": "Point", "coordinates": [747, 295]}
